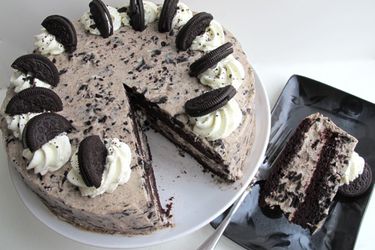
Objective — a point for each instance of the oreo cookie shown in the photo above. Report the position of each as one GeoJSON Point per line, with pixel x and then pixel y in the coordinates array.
{"type": "Point", "coordinates": [359, 186]}
{"type": "Point", "coordinates": [166, 15]}
{"type": "Point", "coordinates": [210, 101]}
{"type": "Point", "coordinates": [92, 155]}
{"type": "Point", "coordinates": [43, 128]}
{"type": "Point", "coordinates": [34, 100]}
{"type": "Point", "coordinates": [136, 13]}
{"type": "Point", "coordinates": [63, 30]}
{"type": "Point", "coordinates": [39, 67]}
{"type": "Point", "coordinates": [102, 18]}
{"type": "Point", "coordinates": [210, 59]}
{"type": "Point", "coordinates": [194, 27]}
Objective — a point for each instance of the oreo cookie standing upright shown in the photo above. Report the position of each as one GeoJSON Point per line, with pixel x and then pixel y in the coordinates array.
{"type": "Point", "coordinates": [43, 128]}
{"type": "Point", "coordinates": [63, 30]}
{"type": "Point", "coordinates": [102, 18]}
{"type": "Point", "coordinates": [136, 14]}
{"type": "Point", "coordinates": [210, 59]}
{"type": "Point", "coordinates": [193, 28]}
{"type": "Point", "coordinates": [92, 155]}
{"type": "Point", "coordinates": [210, 101]}
{"type": "Point", "coordinates": [166, 15]}
{"type": "Point", "coordinates": [39, 67]}
{"type": "Point", "coordinates": [34, 100]}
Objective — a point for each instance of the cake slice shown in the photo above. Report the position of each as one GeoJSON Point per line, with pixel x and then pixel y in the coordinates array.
{"type": "Point", "coordinates": [308, 172]}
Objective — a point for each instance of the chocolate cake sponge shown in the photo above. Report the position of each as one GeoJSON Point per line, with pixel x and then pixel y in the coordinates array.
{"type": "Point", "coordinates": [306, 175]}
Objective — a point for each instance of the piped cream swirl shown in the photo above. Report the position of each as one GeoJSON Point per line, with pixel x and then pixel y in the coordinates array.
{"type": "Point", "coordinates": [117, 169]}
{"type": "Point", "coordinates": [17, 123]}
{"type": "Point", "coordinates": [183, 15]}
{"type": "Point", "coordinates": [51, 156]}
{"type": "Point", "coordinates": [220, 123]}
{"type": "Point", "coordinates": [152, 13]}
{"type": "Point", "coordinates": [89, 23]}
{"type": "Point", "coordinates": [47, 44]}
{"type": "Point", "coordinates": [355, 168]}
{"type": "Point", "coordinates": [20, 81]}
{"type": "Point", "coordinates": [212, 38]}
{"type": "Point", "coordinates": [227, 72]}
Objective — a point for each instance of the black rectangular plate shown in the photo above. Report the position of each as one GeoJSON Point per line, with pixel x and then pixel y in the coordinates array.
{"type": "Point", "coordinates": [301, 97]}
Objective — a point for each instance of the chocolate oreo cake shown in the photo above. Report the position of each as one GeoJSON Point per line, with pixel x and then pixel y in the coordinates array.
{"type": "Point", "coordinates": [316, 161]}
{"type": "Point", "coordinates": [70, 117]}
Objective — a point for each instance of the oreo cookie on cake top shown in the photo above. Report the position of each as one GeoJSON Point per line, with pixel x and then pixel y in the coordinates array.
{"type": "Point", "coordinates": [194, 27]}
{"type": "Point", "coordinates": [63, 31]}
{"type": "Point", "coordinates": [37, 66]}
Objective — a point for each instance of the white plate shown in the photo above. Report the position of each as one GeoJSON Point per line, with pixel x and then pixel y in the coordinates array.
{"type": "Point", "coordinates": [197, 197]}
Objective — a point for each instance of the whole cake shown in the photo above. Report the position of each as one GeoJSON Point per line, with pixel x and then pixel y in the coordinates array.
{"type": "Point", "coordinates": [71, 120]}
{"type": "Point", "coordinates": [316, 161]}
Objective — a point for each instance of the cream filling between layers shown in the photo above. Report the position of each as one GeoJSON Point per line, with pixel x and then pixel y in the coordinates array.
{"type": "Point", "coordinates": [303, 164]}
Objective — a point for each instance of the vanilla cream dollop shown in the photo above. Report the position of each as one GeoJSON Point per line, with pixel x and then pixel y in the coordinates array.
{"type": "Point", "coordinates": [47, 44]}
{"type": "Point", "coordinates": [51, 156]}
{"type": "Point", "coordinates": [355, 168]}
{"type": "Point", "coordinates": [17, 123]}
{"type": "Point", "coordinates": [212, 38]}
{"type": "Point", "coordinates": [227, 72]}
{"type": "Point", "coordinates": [89, 23]}
{"type": "Point", "coordinates": [183, 15]}
{"type": "Point", "coordinates": [20, 81]}
{"type": "Point", "coordinates": [117, 169]}
{"type": "Point", "coordinates": [220, 123]}
{"type": "Point", "coordinates": [152, 13]}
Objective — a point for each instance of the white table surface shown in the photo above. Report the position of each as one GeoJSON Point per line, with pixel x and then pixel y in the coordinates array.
{"type": "Point", "coordinates": [330, 41]}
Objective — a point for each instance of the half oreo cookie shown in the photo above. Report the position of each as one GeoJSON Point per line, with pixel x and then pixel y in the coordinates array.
{"type": "Point", "coordinates": [102, 18]}
{"type": "Point", "coordinates": [39, 67]}
{"type": "Point", "coordinates": [210, 101]}
{"type": "Point", "coordinates": [136, 13]}
{"type": "Point", "coordinates": [92, 155]}
{"type": "Point", "coordinates": [167, 14]}
{"type": "Point", "coordinates": [34, 100]}
{"type": "Point", "coordinates": [43, 128]}
{"type": "Point", "coordinates": [210, 59]}
{"type": "Point", "coordinates": [193, 28]}
{"type": "Point", "coordinates": [63, 30]}
{"type": "Point", "coordinates": [359, 186]}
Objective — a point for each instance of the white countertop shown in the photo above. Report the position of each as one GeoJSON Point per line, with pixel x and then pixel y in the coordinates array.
{"type": "Point", "coordinates": [330, 41]}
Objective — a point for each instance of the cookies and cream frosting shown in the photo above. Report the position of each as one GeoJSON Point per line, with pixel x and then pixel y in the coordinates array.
{"type": "Point", "coordinates": [46, 44]}
{"type": "Point", "coordinates": [17, 123]}
{"type": "Point", "coordinates": [151, 10]}
{"type": "Point", "coordinates": [117, 169]}
{"type": "Point", "coordinates": [20, 81]}
{"type": "Point", "coordinates": [51, 156]}
{"type": "Point", "coordinates": [227, 72]}
{"type": "Point", "coordinates": [89, 23]}
{"type": "Point", "coordinates": [220, 123]}
{"type": "Point", "coordinates": [212, 38]}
